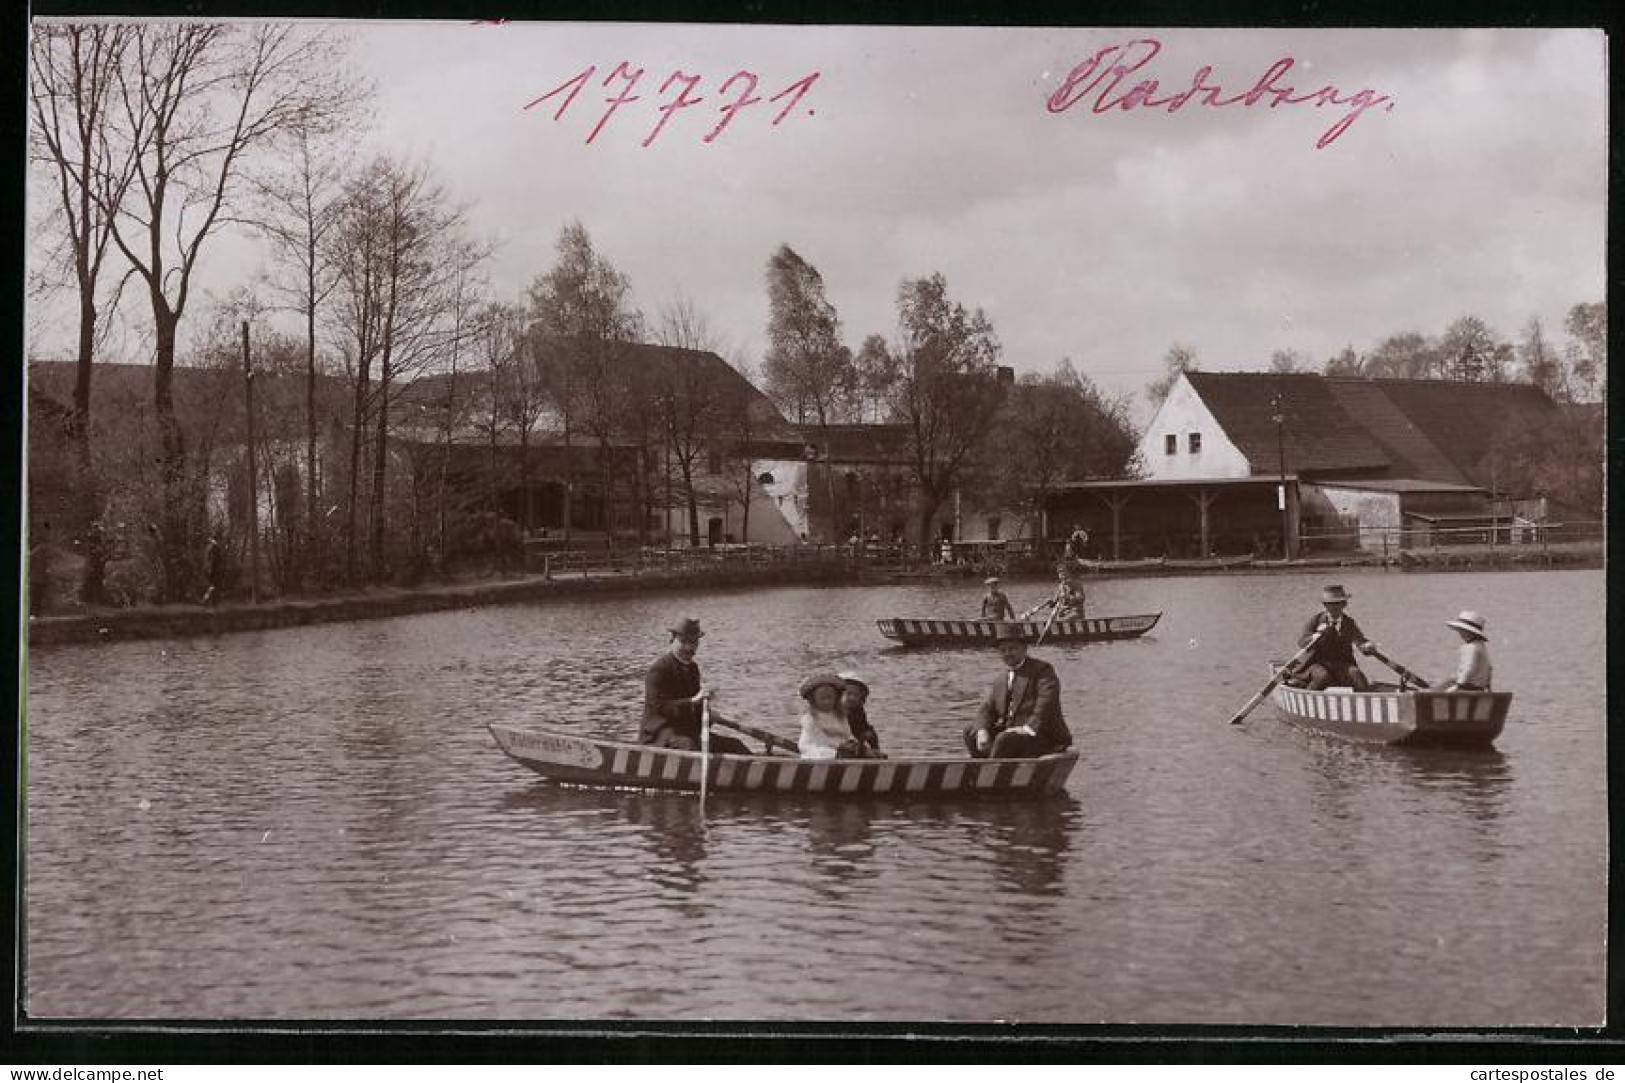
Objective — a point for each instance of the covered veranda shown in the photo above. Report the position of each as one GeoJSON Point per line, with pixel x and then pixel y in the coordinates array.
{"type": "Point", "coordinates": [1186, 518]}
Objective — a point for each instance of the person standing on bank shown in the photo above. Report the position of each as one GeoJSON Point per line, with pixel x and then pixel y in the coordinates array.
{"type": "Point", "coordinates": [673, 697]}
{"type": "Point", "coordinates": [995, 604]}
{"type": "Point", "coordinates": [1473, 671]}
{"type": "Point", "coordinates": [1332, 661]}
{"type": "Point", "coordinates": [1020, 716]}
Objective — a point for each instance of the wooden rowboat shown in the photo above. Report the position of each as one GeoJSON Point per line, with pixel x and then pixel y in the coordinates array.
{"type": "Point", "coordinates": [1385, 715]}
{"type": "Point", "coordinates": [591, 761]}
{"type": "Point", "coordinates": [925, 632]}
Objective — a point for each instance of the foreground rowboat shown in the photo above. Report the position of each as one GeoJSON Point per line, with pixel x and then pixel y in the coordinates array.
{"type": "Point", "coordinates": [589, 761]}
{"type": "Point", "coordinates": [925, 632]}
{"type": "Point", "coordinates": [1388, 716]}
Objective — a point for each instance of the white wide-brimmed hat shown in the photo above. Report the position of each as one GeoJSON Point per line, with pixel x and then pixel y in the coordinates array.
{"type": "Point", "coordinates": [1470, 622]}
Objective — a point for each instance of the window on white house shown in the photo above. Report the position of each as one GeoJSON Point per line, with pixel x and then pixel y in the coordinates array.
{"type": "Point", "coordinates": [1196, 443]}
{"type": "Point", "coordinates": [1170, 443]}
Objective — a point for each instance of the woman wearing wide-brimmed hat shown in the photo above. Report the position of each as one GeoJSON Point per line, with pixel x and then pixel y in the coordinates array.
{"type": "Point", "coordinates": [1332, 661]}
{"type": "Point", "coordinates": [1473, 672]}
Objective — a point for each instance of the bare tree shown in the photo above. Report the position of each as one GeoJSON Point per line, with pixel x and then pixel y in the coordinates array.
{"type": "Point", "coordinates": [1178, 359]}
{"type": "Point", "coordinates": [688, 397]}
{"type": "Point", "coordinates": [1541, 364]}
{"type": "Point", "coordinates": [195, 101]}
{"type": "Point", "coordinates": [298, 207]}
{"type": "Point", "coordinates": [1287, 361]}
{"type": "Point", "coordinates": [1409, 355]}
{"type": "Point", "coordinates": [1345, 363]}
{"type": "Point", "coordinates": [73, 70]}
{"type": "Point", "coordinates": [809, 372]}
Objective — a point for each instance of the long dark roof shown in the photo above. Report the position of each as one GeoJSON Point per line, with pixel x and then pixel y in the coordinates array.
{"type": "Point", "coordinates": [1435, 430]}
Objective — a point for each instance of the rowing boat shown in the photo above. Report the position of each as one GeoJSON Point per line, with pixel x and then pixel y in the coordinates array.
{"type": "Point", "coordinates": [926, 632]}
{"type": "Point", "coordinates": [590, 761]}
{"type": "Point", "coordinates": [1386, 715]}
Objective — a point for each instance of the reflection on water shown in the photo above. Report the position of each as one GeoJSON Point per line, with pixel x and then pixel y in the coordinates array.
{"type": "Point", "coordinates": [315, 823]}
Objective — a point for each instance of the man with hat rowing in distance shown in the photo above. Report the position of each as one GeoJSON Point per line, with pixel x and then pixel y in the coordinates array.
{"type": "Point", "coordinates": [995, 603]}
{"type": "Point", "coordinates": [1473, 671]}
{"type": "Point", "coordinates": [1332, 660]}
{"type": "Point", "coordinates": [1020, 716]}
{"type": "Point", "coordinates": [673, 697]}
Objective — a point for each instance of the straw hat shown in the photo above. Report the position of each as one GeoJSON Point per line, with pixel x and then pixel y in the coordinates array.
{"type": "Point", "coordinates": [1469, 622]}
{"type": "Point", "coordinates": [1334, 593]}
{"type": "Point", "coordinates": [991, 581]}
{"type": "Point", "coordinates": [817, 679]}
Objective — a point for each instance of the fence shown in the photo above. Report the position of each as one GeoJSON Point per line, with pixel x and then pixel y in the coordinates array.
{"type": "Point", "coordinates": [1511, 534]}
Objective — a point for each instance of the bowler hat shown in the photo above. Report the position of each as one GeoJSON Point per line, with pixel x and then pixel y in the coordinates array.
{"type": "Point", "coordinates": [1470, 622]}
{"type": "Point", "coordinates": [687, 628]}
{"type": "Point", "coordinates": [1334, 593]}
{"type": "Point", "coordinates": [817, 679]}
{"type": "Point", "coordinates": [1006, 633]}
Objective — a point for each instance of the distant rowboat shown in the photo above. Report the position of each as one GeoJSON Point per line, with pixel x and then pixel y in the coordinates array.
{"type": "Point", "coordinates": [1388, 716]}
{"type": "Point", "coordinates": [928, 632]}
{"type": "Point", "coordinates": [589, 761]}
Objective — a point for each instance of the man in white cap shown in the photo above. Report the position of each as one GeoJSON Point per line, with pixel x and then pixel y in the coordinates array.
{"type": "Point", "coordinates": [1332, 661]}
{"type": "Point", "coordinates": [995, 605]}
{"type": "Point", "coordinates": [1473, 673]}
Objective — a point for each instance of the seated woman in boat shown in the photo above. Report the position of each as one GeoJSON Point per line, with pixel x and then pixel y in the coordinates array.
{"type": "Point", "coordinates": [824, 733]}
{"type": "Point", "coordinates": [854, 708]}
{"type": "Point", "coordinates": [1473, 671]}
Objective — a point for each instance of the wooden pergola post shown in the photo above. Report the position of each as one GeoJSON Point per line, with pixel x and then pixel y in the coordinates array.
{"type": "Point", "coordinates": [1204, 499]}
{"type": "Point", "coordinates": [1116, 503]}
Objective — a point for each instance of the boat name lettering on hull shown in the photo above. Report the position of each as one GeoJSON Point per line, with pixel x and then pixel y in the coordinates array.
{"type": "Point", "coordinates": [555, 750]}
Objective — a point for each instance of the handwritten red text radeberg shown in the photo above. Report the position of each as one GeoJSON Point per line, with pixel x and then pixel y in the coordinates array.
{"type": "Point", "coordinates": [1104, 72]}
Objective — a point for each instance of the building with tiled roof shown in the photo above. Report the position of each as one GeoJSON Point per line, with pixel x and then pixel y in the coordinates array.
{"type": "Point", "coordinates": [1255, 462]}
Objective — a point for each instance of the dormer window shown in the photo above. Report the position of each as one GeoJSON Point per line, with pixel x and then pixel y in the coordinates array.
{"type": "Point", "coordinates": [1196, 443]}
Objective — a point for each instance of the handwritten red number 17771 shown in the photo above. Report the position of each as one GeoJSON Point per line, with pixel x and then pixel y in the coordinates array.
{"type": "Point", "coordinates": [629, 77]}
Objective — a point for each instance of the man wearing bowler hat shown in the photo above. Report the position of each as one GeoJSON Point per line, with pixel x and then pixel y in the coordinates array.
{"type": "Point", "coordinates": [1332, 661]}
{"type": "Point", "coordinates": [1020, 716]}
{"type": "Point", "coordinates": [673, 697]}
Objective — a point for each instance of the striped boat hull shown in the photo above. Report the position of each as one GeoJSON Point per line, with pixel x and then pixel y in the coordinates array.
{"type": "Point", "coordinates": [586, 761]}
{"type": "Point", "coordinates": [1391, 717]}
{"type": "Point", "coordinates": [930, 632]}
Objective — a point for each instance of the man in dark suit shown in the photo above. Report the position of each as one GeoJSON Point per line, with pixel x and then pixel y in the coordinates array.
{"type": "Point", "coordinates": [1332, 661]}
{"type": "Point", "coordinates": [1020, 716]}
{"type": "Point", "coordinates": [673, 697]}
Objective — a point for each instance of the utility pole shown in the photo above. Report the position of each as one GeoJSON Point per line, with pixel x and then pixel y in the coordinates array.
{"type": "Point", "coordinates": [253, 479]}
{"type": "Point", "coordinates": [1279, 417]}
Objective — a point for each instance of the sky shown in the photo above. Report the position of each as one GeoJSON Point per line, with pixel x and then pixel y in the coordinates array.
{"type": "Point", "coordinates": [1473, 181]}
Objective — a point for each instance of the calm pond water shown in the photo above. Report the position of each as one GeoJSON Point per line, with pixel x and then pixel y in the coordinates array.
{"type": "Point", "coordinates": [314, 823]}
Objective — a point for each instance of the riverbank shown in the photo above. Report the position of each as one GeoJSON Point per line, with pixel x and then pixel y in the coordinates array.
{"type": "Point", "coordinates": [167, 621]}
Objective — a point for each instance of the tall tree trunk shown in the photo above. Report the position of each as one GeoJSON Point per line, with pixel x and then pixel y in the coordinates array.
{"type": "Point", "coordinates": [92, 587]}
{"type": "Point", "coordinates": [313, 525]}
{"type": "Point", "coordinates": [171, 539]}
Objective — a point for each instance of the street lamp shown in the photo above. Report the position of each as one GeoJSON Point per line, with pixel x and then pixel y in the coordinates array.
{"type": "Point", "coordinates": [1279, 417]}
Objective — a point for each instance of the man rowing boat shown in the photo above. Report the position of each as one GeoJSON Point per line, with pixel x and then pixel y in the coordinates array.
{"type": "Point", "coordinates": [673, 697]}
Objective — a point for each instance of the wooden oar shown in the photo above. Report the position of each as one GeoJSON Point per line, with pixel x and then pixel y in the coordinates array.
{"type": "Point", "coordinates": [1028, 613]}
{"type": "Point", "coordinates": [767, 737]}
{"type": "Point", "coordinates": [1404, 674]}
{"type": "Point", "coordinates": [705, 750]}
{"type": "Point", "coordinates": [1280, 675]}
{"type": "Point", "coordinates": [1053, 613]}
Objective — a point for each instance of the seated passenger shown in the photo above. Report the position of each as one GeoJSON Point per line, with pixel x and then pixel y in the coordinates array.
{"type": "Point", "coordinates": [824, 733]}
{"type": "Point", "coordinates": [1069, 596]}
{"type": "Point", "coordinates": [854, 700]}
{"type": "Point", "coordinates": [1473, 672]}
{"type": "Point", "coordinates": [1021, 714]}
